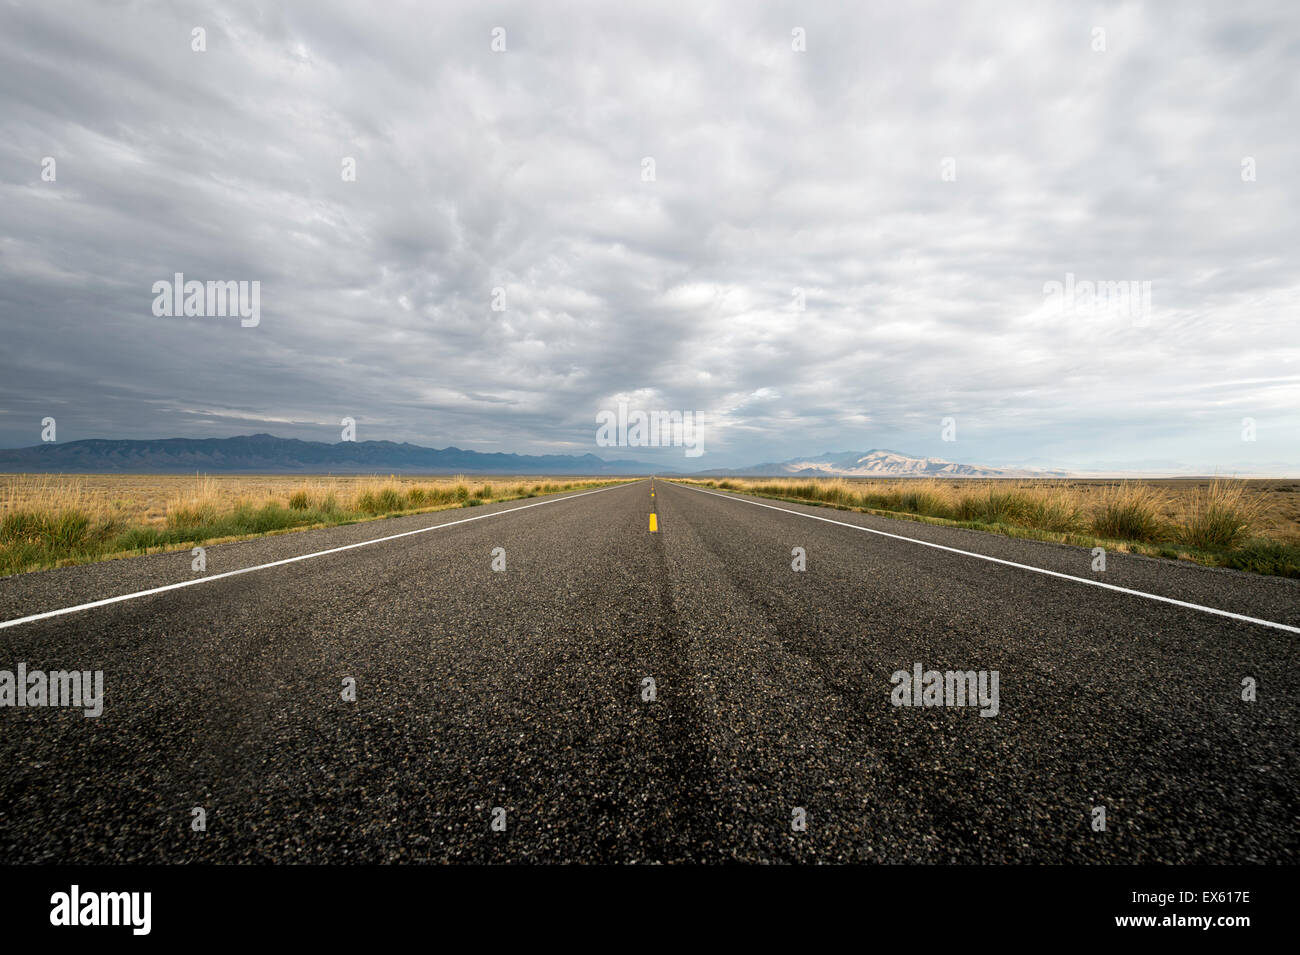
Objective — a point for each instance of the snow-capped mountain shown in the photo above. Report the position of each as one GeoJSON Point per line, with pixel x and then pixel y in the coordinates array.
{"type": "Point", "coordinates": [880, 462]}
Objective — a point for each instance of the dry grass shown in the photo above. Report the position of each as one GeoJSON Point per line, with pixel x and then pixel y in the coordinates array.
{"type": "Point", "coordinates": [50, 521]}
{"type": "Point", "coordinates": [1222, 515]}
{"type": "Point", "coordinates": [159, 499]}
{"type": "Point", "coordinates": [1254, 525]}
{"type": "Point", "coordinates": [1130, 511]}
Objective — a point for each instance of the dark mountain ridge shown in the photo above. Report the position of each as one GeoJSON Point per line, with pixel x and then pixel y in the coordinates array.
{"type": "Point", "coordinates": [265, 453]}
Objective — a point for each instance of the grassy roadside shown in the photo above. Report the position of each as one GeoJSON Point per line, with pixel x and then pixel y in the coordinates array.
{"type": "Point", "coordinates": [1216, 525]}
{"type": "Point", "coordinates": [59, 522]}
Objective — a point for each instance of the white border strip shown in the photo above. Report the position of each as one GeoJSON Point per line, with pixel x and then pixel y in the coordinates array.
{"type": "Point", "coordinates": [1008, 563]}
{"type": "Point", "coordinates": [290, 560]}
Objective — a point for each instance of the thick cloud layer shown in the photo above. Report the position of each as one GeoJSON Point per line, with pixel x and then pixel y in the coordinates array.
{"type": "Point", "coordinates": [775, 169]}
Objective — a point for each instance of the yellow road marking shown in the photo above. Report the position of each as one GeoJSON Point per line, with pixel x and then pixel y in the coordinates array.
{"type": "Point", "coordinates": [654, 524]}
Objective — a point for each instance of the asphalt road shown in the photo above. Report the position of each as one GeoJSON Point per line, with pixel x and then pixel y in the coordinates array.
{"type": "Point", "coordinates": [523, 689]}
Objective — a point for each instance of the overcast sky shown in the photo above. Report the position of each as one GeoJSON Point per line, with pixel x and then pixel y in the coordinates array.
{"type": "Point", "coordinates": [1122, 155]}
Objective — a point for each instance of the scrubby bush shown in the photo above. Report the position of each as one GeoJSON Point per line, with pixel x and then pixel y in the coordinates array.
{"type": "Point", "coordinates": [1220, 516]}
{"type": "Point", "coordinates": [1127, 511]}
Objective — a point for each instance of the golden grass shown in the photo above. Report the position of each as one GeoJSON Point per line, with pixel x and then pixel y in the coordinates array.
{"type": "Point", "coordinates": [46, 493]}
{"type": "Point", "coordinates": [49, 521]}
{"type": "Point", "coordinates": [162, 499]}
{"type": "Point", "coordinates": [1221, 515]}
{"type": "Point", "coordinates": [1130, 511]}
{"type": "Point", "coordinates": [1253, 525]}
{"type": "Point", "coordinates": [1273, 505]}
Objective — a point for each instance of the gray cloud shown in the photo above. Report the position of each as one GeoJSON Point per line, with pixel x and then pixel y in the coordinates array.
{"type": "Point", "coordinates": [775, 170]}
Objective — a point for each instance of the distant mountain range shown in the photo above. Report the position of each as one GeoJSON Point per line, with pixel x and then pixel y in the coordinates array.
{"type": "Point", "coordinates": [882, 463]}
{"type": "Point", "coordinates": [265, 453]}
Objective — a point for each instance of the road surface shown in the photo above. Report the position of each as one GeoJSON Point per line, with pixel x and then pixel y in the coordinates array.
{"type": "Point", "coordinates": [524, 690]}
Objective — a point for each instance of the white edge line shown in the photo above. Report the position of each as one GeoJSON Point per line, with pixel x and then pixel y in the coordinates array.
{"type": "Point", "coordinates": [1008, 563]}
{"type": "Point", "coordinates": [291, 560]}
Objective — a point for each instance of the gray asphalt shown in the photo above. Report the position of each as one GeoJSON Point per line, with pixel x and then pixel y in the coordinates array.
{"type": "Point", "coordinates": [523, 690]}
